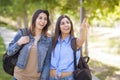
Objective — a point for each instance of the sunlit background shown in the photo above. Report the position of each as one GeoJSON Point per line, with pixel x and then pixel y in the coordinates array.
{"type": "Point", "coordinates": [103, 37]}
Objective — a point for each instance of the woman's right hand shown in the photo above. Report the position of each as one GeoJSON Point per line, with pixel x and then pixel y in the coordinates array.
{"type": "Point", "coordinates": [23, 40]}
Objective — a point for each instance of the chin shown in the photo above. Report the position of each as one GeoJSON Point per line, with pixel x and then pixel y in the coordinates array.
{"type": "Point", "coordinates": [41, 27]}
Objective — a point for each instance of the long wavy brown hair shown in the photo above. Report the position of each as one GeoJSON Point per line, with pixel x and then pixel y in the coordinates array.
{"type": "Point", "coordinates": [58, 31]}
{"type": "Point", "coordinates": [34, 17]}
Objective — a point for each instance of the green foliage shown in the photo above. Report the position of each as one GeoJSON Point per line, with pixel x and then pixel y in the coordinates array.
{"type": "Point", "coordinates": [3, 75]}
{"type": "Point", "coordinates": [100, 10]}
{"type": "Point", "coordinates": [70, 7]}
{"type": "Point", "coordinates": [5, 3]}
{"type": "Point", "coordinates": [101, 70]}
{"type": "Point", "coordinates": [95, 10]}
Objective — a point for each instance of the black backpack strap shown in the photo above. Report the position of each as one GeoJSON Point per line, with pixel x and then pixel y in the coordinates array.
{"type": "Point", "coordinates": [73, 46]}
{"type": "Point", "coordinates": [24, 31]}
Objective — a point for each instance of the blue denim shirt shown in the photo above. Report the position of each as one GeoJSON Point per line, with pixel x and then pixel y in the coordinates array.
{"type": "Point", "coordinates": [62, 57]}
{"type": "Point", "coordinates": [43, 51]}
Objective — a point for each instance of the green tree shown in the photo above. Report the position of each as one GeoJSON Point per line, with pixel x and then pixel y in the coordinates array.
{"type": "Point", "coordinates": [22, 10]}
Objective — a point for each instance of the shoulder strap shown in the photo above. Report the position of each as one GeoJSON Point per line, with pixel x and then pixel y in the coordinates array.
{"type": "Point", "coordinates": [73, 46]}
{"type": "Point", "coordinates": [24, 31]}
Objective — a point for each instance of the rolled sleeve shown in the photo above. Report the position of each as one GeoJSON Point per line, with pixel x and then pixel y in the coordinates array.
{"type": "Point", "coordinates": [13, 46]}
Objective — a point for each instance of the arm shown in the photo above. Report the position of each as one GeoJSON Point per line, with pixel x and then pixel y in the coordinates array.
{"type": "Point", "coordinates": [82, 37]}
{"type": "Point", "coordinates": [13, 46]}
{"type": "Point", "coordinates": [16, 43]}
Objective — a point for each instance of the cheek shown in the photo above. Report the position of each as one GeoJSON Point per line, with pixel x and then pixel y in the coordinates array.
{"type": "Point", "coordinates": [61, 28]}
{"type": "Point", "coordinates": [70, 28]}
{"type": "Point", "coordinates": [46, 22]}
{"type": "Point", "coordinates": [37, 21]}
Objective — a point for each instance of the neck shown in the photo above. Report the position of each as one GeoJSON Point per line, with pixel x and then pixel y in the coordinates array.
{"type": "Point", "coordinates": [63, 36]}
{"type": "Point", "coordinates": [38, 32]}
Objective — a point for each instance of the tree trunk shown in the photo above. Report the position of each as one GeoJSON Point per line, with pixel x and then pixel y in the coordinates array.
{"type": "Point", "coordinates": [25, 19]}
{"type": "Point", "coordinates": [19, 23]}
{"type": "Point", "coordinates": [52, 22]}
{"type": "Point", "coordinates": [86, 46]}
{"type": "Point", "coordinates": [82, 15]}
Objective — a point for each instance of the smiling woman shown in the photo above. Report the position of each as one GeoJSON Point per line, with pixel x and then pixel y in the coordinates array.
{"type": "Point", "coordinates": [62, 60]}
{"type": "Point", "coordinates": [34, 57]}
{"type": "Point", "coordinates": [3, 75]}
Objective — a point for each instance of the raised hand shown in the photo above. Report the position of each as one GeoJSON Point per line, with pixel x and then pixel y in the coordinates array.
{"type": "Point", "coordinates": [84, 24]}
{"type": "Point", "coordinates": [83, 33]}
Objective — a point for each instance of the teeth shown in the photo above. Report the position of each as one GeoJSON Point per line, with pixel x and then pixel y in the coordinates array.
{"type": "Point", "coordinates": [41, 25]}
{"type": "Point", "coordinates": [66, 29]}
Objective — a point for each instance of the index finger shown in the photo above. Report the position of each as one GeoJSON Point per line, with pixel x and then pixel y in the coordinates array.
{"type": "Point", "coordinates": [84, 20]}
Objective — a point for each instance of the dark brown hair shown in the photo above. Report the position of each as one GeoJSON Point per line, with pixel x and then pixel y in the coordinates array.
{"type": "Point", "coordinates": [34, 17]}
{"type": "Point", "coordinates": [58, 32]}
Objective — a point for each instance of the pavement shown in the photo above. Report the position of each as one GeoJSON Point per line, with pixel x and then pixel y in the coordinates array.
{"type": "Point", "coordinates": [99, 50]}
{"type": "Point", "coordinates": [8, 35]}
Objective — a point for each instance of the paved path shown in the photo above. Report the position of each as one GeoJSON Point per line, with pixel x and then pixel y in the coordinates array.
{"type": "Point", "coordinates": [8, 35]}
{"type": "Point", "coordinates": [112, 60]}
{"type": "Point", "coordinates": [99, 50]}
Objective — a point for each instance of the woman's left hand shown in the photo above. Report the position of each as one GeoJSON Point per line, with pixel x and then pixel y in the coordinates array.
{"type": "Point", "coordinates": [84, 24]}
{"type": "Point", "coordinates": [83, 33]}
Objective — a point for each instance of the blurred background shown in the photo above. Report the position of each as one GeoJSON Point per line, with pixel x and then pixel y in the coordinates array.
{"type": "Point", "coordinates": [103, 38]}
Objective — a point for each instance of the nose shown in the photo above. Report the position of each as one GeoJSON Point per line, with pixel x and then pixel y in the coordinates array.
{"type": "Point", "coordinates": [42, 20]}
{"type": "Point", "coordinates": [66, 24]}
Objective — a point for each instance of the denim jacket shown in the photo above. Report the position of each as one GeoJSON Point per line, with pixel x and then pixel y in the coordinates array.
{"type": "Point", "coordinates": [43, 50]}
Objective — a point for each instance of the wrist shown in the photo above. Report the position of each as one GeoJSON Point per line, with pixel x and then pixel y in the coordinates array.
{"type": "Point", "coordinates": [19, 43]}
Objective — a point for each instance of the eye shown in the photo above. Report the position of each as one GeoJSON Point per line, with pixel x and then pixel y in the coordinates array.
{"type": "Point", "coordinates": [45, 19]}
{"type": "Point", "coordinates": [62, 23]}
{"type": "Point", "coordinates": [40, 17]}
{"type": "Point", "coordinates": [67, 22]}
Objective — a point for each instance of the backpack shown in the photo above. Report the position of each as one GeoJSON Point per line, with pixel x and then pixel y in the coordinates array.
{"type": "Point", "coordinates": [82, 71]}
{"type": "Point", "coordinates": [9, 62]}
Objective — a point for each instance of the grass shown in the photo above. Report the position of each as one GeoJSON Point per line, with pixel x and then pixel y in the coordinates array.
{"type": "Point", "coordinates": [3, 75]}
{"type": "Point", "coordinates": [93, 39]}
{"type": "Point", "coordinates": [115, 45]}
{"type": "Point", "coordinates": [101, 70]}
{"type": "Point", "coordinates": [8, 26]}
{"type": "Point", "coordinates": [110, 45]}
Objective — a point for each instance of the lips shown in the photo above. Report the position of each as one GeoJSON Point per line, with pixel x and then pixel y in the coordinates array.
{"type": "Point", "coordinates": [66, 29]}
{"type": "Point", "coordinates": [42, 25]}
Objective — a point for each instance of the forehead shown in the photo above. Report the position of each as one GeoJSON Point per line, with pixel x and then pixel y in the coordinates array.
{"type": "Point", "coordinates": [64, 19]}
{"type": "Point", "coordinates": [42, 15]}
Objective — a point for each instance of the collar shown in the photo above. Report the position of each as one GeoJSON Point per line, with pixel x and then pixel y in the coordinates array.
{"type": "Point", "coordinates": [67, 39]}
{"type": "Point", "coordinates": [41, 38]}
